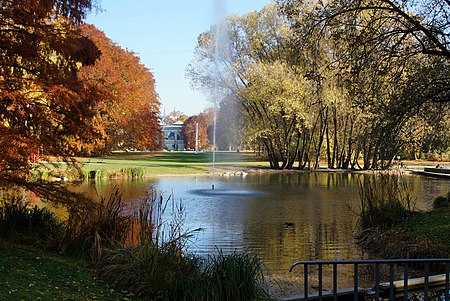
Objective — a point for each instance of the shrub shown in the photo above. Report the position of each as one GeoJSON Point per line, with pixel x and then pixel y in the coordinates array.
{"type": "Point", "coordinates": [441, 202]}
{"type": "Point", "coordinates": [433, 156]}
{"type": "Point", "coordinates": [385, 200]}
{"type": "Point", "coordinates": [20, 220]}
{"type": "Point", "coordinates": [39, 175]}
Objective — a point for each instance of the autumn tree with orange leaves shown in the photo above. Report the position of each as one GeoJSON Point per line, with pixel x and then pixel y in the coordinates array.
{"type": "Point", "coordinates": [204, 121]}
{"type": "Point", "coordinates": [44, 107]}
{"type": "Point", "coordinates": [129, 107]}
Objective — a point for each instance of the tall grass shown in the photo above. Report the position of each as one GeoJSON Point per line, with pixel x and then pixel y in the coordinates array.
{"type": "Point", "coordinates": [384, 200]}
{"type": "Point", "coordinates": [21, 221]}
{"type": "Point", "coordinates": [235, 277]}
{"type": "Point", "coordinates": [134, 172]}
{"type": "Point", "coordinates": [127, 172]}
{"type": "Point", "coordinates": [97, 174]}
{"type": "Point", "coordinates": [92, 227]}
{"type": "Point", "coordinates": [159, 267]}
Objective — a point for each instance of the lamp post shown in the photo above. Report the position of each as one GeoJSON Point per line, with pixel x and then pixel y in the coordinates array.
{"type": "Point", "coordinates": [196, 138]}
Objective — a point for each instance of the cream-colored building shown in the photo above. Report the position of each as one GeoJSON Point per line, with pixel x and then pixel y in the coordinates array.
{"type": "Point", "coordinates": [173, 136]}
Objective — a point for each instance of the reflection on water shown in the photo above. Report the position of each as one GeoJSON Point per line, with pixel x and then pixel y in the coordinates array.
{"type": "Point", "coordinates": [293, 216]}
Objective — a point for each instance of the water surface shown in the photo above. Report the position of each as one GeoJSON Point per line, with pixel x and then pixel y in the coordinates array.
{"type": "Point", "coordinates": [283, 217]}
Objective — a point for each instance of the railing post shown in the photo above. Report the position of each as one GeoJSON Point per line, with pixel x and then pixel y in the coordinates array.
{"type": "Point", "coordinates": [305, 274]}
{"type": "Point", "coordinates": [427, 275]}
{"type": "Point", "coordinates": [320, 282]}
{"type": "Point", "coordinates": [377, 281]}
{"type": "Point", "coordinates": [355, 282]}
{"type": "Point", "coordinates": [335, 281]}
{"type": "Point", "coordinates": [405, 282]}
{"type": "Point", "coordinates": [391, 281]}
{"type": "Point", "coordinates": [447, 272]}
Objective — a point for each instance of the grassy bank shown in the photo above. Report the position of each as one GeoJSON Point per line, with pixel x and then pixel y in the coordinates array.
{"type": "Point", "coordinates": [421, 235]}
{"type": "Point", "coordinates": [389, 227]}
{"type": "Point", "coordinates": [27, 273]}
{"type": "Point", "coordinates": [431, 229]}
{"type": "Point", "coordinates": [144, 253]}
{"type": "Point", "coordinates": [141, 164]}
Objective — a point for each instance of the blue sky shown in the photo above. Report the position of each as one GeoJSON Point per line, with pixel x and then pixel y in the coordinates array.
{"type": "Point", "coordinates": [163, 33]}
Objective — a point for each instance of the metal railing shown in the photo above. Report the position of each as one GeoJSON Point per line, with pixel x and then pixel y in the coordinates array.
{"type": "Point", "coordinates": [379, 288]}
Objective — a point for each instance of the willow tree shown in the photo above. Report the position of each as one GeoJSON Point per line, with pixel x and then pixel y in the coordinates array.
{"type": "Point", "coordinates": [255, 71]}
{"type": "Point", "coordinates": [279, 109]}
{"type": "Point", "coordinates": [391, 62]}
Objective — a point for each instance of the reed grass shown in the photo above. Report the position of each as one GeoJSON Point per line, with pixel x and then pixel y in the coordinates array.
{"type": "Point", "coordinates": [93, 227]}
{"type": "Point", "coordinates": [235, 277]}
{"type": "Point", "coordinates": [385, 199]}
{"type": "Point", "coordinates": [158, 266]}
{"type": "Point", "coordinates": [130, 172]}
{"type": "Point", "coordinates": [390, 227]}
{"type": "Point", "coordinates": [21, 221]}
{"type": "Point", "coordinates": [144, 253]}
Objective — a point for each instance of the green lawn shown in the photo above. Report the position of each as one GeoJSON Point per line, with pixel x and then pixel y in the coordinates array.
{"type": "Point", "coordinates": [172, 163]}
{"type": "Point", "coordinates": [27, 273]}
{"type": "Point", "coordinates": [433, 225]}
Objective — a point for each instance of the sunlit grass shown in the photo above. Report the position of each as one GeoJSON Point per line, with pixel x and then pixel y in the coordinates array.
{"type": "Point", "coordinates": [169, 158]}
{"type": "Point", "coordinates": [127, 165]}
{"type": "Point", "coordinates": [171, 163]}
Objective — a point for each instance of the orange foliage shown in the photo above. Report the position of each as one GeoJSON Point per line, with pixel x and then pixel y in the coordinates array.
{"type": "Point", "coordinates": [129, 107]}
{"type": "Point", "coordinates": [44, 107]}
{"type": "Point", "coordinates": [204, 121]}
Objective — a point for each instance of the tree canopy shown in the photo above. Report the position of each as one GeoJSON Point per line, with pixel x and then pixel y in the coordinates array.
{"type": "Point", "coordinates": [66, 89]}
{"type": "Point", "coordinates": [128, 108]}
{"type": "Point", "coordinates": [204, 120]}
{"type": "Point", "coordinates": [353, 82]}
{"type": "Point", "coordinates": [45, 107]}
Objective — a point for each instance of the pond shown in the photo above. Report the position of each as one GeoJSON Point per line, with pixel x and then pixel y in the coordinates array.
{"type": "Point", "coordinates": [287, 217]}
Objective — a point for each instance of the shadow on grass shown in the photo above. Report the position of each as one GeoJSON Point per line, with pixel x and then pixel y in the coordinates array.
{"type": "Point", "coordinates": [179, 158]}
{"type": "Point", "coordinates": [205, 157]}
{"type": "Point", "coordinates": [175, 157]}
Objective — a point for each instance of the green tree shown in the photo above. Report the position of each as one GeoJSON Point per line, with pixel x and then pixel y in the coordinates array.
{"type": "Point", "coordinates": [390, 58]}
{"type": "Point", "coordinates": [256, 49]}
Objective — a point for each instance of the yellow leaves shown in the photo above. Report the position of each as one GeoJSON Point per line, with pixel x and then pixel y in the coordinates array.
{"type": "Point", "coordinates": [281, 88]}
